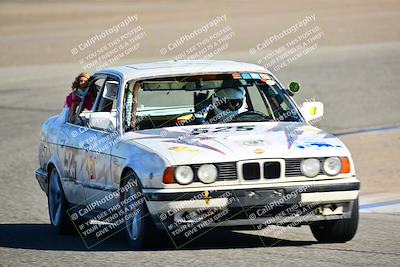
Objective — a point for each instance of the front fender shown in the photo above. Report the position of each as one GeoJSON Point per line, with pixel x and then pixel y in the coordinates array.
{"type": "Point", "coordinates": [148, 166]}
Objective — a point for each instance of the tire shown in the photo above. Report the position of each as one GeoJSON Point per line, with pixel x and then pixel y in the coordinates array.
{"type": "Point", "coordinates": [339, 231]}
{"type": "Point", "coordinates": [58, 205]}
{"type": "Point", "coordinates": [139, 227]}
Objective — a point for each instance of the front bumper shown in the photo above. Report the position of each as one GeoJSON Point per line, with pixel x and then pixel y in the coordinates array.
{"type": "Point", "coordinates": [256, 204]}
{"type": "Point", "coordinates": [42, 178]}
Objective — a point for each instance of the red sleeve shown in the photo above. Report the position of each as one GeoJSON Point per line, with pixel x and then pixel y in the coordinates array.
{"type": "Point", "coordinates": [71, 98]}
{"type": "Point", "coordinates": [88, 103]}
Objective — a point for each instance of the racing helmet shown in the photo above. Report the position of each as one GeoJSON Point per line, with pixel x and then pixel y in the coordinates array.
{"type": "Point", "coordinates": [229, 98]}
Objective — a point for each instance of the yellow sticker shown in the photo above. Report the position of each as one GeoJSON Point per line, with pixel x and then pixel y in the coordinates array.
{"type": "Point", "coordinates": [259, 151]}
{"type": "Point", "coordinates": [179, 149]}
{"type": "Point", "coordinates": [313, 111]}
{"type": "Point", "coordinates": [185, 117]}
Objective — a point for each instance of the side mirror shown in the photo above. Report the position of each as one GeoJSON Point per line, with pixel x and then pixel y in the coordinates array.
{"type": "Point", "coordinates": [312, 110]}
{"type": "Point", "coordinates": [294, 87]}
{"type": "Point", "coordinates": [102, 121]}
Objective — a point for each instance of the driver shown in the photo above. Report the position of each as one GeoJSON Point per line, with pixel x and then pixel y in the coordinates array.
{"type": "Point", "coordinates": [225, 105]}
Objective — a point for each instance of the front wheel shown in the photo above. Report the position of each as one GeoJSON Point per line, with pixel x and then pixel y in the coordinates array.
{"type": "Point", "coordinates": [139, 227]}
{"type": "Point", "coordinates": [339, 231]}
{"type": "Point", "coordinates": [58, 205]}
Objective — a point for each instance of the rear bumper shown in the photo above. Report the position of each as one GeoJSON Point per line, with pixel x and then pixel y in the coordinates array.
{"type": "Point", "coordinates": [42, 178]}
{"type": "Point", "coordinates": [257, 205]}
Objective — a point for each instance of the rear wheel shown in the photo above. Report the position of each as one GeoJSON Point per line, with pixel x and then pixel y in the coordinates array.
{"type": "Point", "coordinates": [337, 231]}
{"type": "Point", "coordinates": [139, 227]}
{"type": "Point", "coordinates": [58, 205]}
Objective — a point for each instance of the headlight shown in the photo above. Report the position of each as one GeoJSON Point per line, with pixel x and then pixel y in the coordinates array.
{"type": "Point", "coordinates": [310, 167]}
{"type": "Point", "coordinates": [184, 174]}
{"type": "Point", "coordinates": [332, 166]}
{"type": "Point", "coordinates": [207, 173]}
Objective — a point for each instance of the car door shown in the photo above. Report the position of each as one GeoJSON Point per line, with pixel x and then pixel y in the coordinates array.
{"type": "Point", "coordinates": [97, 146]}
{"type": "Point", "coordinates": [70, 149]}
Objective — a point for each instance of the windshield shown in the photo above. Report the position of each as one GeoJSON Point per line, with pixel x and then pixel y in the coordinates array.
{"type": "Point", "coordinates": [206, 99]}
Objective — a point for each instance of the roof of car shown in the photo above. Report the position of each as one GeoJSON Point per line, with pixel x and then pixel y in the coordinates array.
{"type": "Point", "coordinates": [182, 67]}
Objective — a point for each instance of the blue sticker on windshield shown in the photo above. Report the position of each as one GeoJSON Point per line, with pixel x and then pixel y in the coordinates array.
{"type": "Point", "coordinates": [255, 75]}
{"type": "Point", "coordinates": [246, 76]}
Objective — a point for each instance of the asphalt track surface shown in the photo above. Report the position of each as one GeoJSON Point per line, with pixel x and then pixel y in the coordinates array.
{"type": "Point", "coordinates": [358, 84]}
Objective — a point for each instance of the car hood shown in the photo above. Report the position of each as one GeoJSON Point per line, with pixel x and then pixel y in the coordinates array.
{"type": "Point", "coordinates": [238, 141]}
